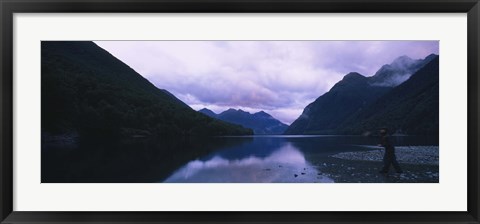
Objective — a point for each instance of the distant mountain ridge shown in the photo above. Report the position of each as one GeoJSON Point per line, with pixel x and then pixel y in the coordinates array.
{"type": "Point", "coordinates": [352, 95]}
{"type": "Point", "coordinates": [261, 122]}
{"type": "Point", "coordinates": [208, 112]}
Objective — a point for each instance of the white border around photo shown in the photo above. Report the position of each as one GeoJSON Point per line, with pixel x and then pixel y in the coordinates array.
{"type": "Point", "coordinates": [448, 195]}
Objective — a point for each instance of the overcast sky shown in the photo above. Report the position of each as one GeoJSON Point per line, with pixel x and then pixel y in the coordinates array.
{"type": "Point", "coordinates": [278, 77]}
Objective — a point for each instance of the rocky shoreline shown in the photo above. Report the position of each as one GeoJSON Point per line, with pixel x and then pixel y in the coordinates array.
{"type": "Point", "coordinates": [419, 164]}
{"type": "Point", "coordinates": [420, 155]}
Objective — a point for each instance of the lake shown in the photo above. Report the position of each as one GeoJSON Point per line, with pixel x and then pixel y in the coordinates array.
{"type": "Point", "coordinates": [249, 159]}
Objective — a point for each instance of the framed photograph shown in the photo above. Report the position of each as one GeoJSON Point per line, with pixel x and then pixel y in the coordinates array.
{"type": "Point", "coordinates": [239, 111]}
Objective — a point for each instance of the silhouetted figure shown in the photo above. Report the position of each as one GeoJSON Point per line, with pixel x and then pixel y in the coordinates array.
{"type": "Point", "coordinates": [389, 157]}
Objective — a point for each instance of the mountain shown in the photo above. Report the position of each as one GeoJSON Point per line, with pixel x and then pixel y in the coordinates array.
{"type": "Point", "coordinates": [88, 91]}
{"type": "Point", "coordinates": [262, 123]}
{"type": "Point", "coordinates": [412, 107]}
{"type": "Point", "coordinates": [398, 71]}
{"type": "Point", "coordinates": [208, 112]}
{"type": "Point", "coordinates": [353, 94]}
{"type": "Point", "coordinates": [323, 116]}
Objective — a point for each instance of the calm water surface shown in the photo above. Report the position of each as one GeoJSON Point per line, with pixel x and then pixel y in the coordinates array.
{"type": "Point", "coordinates": [219, 160]}
{"type": "Point", "coordinates": [277, 158]}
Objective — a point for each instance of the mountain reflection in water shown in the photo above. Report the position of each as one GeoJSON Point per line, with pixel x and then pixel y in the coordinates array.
{"type": "Point", "coordinates": [285, 164]}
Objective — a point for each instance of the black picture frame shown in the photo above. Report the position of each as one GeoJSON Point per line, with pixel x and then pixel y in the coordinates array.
{"type": "Point", "coordinates": [9, 7]}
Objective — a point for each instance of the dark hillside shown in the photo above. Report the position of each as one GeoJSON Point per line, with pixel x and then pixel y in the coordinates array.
{"type": "Point", "coordinates": [88, 91]}
{"type": "Point", "coordinates": [412, 107]}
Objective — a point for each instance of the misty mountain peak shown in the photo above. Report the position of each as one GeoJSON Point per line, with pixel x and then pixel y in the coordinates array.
{"type": "Point", "coordinates": [397, 72]}
{"type": "Point", "coordinates": [430, 57]}
{"type": "Point", "coordinates": [402, 61]}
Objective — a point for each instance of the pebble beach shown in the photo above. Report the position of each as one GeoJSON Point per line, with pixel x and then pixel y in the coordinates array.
{"type": "Point", "coordinates": [426, 155]}
{"type": "Point", "coordinates": [419, 164]}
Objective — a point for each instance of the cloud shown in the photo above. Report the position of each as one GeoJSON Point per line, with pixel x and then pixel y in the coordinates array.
{"type": "Point", "coordinates": [279, 77]}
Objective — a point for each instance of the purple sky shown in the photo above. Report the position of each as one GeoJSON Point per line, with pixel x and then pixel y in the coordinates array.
{"type": "Point", "coordinates": [278, 77]}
